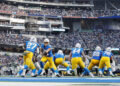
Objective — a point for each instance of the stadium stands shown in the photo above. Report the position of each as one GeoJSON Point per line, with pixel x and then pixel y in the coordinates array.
{"type": "Point", "coordinates": [83, 13]}
{"type": "Point", "coordinates": [10, 12]}
{"type": "Point", "coordinates": [89, 40]}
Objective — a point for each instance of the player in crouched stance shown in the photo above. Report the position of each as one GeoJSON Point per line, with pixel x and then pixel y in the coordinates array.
{"type": "Point", "coordinates": [59, 59]}
{"type": "Point", "coordinates": [76, 54]}
{"type": "Point", "coordinates": [105, 60]}
{"type": "Point", "coordinates": [97, 54]}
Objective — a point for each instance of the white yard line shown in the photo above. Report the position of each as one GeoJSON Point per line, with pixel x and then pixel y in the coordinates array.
{"type": "Point", "coordinates": [54, 84]}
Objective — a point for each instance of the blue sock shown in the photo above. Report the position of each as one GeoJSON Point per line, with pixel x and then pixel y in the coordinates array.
{"type": "Point", "coordinates": [33, 71]}
{"type": "Point", "coordinates": [68, 68]}
{"type": "Point", "coordinates": [41, 64]}
{"type": "Point", "coordinates": [84, 73]}
{"type": "Point", "coordinates": [39, 71]}
{"type": "Point", "coordinates": [100, 69]}
{"type": "Point", "coordinates": [109, 69]}
{"type": "Point", "coordinates": [54, 71]}
{"type": "Point", "coordinates": [25, 66]}
{"type": "Point", "coordinates": [20, 72]}
{"type": "Point", "coordinates": [86, 70]}
{"type": "Point", "coordinates": [103, 70]}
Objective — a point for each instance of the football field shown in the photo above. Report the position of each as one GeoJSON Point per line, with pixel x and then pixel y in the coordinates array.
{"type": "Point", "coordinates": [63, 81]}
{"type": "Point", "coordinates": [55, 84]}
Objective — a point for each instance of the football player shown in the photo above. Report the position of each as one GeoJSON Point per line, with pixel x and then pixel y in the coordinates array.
{"type": "Point", "coordinates": [31, 46]}
{"type": "Point", "coordinates": [76, 54]}
{"type": "Point", "coordinates": [47, 55]}
{"type": "Point", "coordinates": [105, 60]}
{"type": "Point", "coordinates": [95, 58]}
{"type": "Point", "coordinates": [59, 59]}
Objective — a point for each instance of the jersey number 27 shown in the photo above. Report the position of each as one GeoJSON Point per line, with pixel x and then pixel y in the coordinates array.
{"type": "Point", "coordinates": [31, 45]}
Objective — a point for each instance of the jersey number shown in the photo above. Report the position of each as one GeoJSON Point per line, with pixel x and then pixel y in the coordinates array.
{"type": "Point", "coordinates": [96, 53]}
{"type": "Point", "coordinates": [107, 53]}
{"type": "Point", "coordinates": [76, 51]}
{"type": "Point", "coordinates": [31, 45]}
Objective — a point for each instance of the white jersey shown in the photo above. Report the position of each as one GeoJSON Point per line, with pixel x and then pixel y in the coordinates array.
{"type": "Point", "coordinates": [113, 67]}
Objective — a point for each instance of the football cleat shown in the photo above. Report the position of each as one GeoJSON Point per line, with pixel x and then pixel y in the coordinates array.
{"type": "Point", "coordinates": [68, 72]}
{"type": "Point", "coordinates": [33, 75]}
{"type": "Point", "coordinates": [91, 75]}
{"type": "Point", "coordinates": [101, 75]}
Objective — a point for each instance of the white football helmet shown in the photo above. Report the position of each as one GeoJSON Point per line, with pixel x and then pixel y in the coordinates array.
{"type": "Point", "coordinates": [78, 45]}
{"type": "Point", "coordinates": [60, 52]}
{"type": "Point", "coordinates": [46, 40]}
{"type": "Point", "coordinates": [33, 39]}
{"type": "Point", "coordinates": [108, 49]}
{"type": "Point", "coordinates": [98, 48]}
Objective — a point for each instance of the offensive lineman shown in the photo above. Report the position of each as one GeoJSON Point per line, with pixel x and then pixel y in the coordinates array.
{"type": "Point", "coordinates": [59, 59]}
{"type": "Point", "coordinates": [105, 60]}
{"type": "Point", "coordinates": [95, 58]}
{"type": "Point", "coordinates": [76, 55]}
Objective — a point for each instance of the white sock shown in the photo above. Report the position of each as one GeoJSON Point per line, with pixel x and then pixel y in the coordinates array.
{"type": "Point", "coordinates": [24, 71]}
{"type": "Point", "coordinates": [91, 74]}
{"type": "Point", "coordinates": [75, 71]}
{"type": "Point", "coordinates": [100, 72]}
{"type": "Point", "coordinates": [111, 73]}
{"type": "Point", "coordinates": [37, 65]}
{"type": "Point", "coordinates": [32, 74]}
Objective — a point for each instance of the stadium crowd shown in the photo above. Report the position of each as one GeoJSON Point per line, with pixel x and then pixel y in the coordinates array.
{"type": "Point", "coordinates": [110, 38]}
{"type": "Point", "coordinates": [9, 63]}
{"type": "Point", "coordinates": [84, 13]}
{"type": "Point", "coordinates": [62, 1]}
{"type": "Point", "coordinates": [7, 38]}
{"type": "Point", "coordinates": [7, 59]}
{"type": "Point", "coordinates": [89, 40]}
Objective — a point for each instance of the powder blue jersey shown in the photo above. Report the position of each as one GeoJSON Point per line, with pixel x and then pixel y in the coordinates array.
{"type": "Point", "coordinates": [107, 54]}
{"type": "Point", "coordinates": [50, 54]}
{"type": "Point", "coordinates": [31, 46]}
{"type": "Point", "coordinates": [57, 55]}
{"type": "Point", "coordinates": [97, 54]}
{"type": "Point", "coordinates": [77, 52]}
